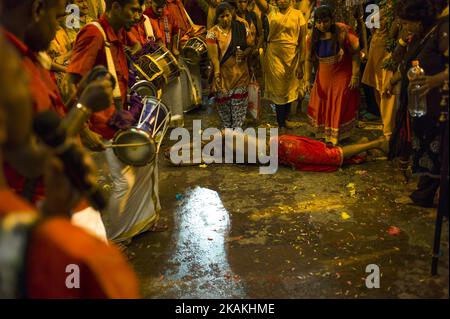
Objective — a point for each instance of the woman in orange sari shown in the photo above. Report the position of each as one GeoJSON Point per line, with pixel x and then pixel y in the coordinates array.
{"type": "Point", "coordinates": [231, 72]}
{"type": "Point", "coordinates": [334, 102]}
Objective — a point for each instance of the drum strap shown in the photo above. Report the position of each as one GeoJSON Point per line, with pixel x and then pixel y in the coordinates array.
{"type": "Point", "coordinates": [166, 31]}
{"type": "Point", "coordinates": [110, 64]}
{"type": "Point", "coordinates": [148, 28]}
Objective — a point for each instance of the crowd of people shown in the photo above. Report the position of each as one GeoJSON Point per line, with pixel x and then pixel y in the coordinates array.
{"type": "Point", "coordinates": [168, 57]}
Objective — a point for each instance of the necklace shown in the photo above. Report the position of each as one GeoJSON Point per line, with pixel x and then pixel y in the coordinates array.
{"type": "Point", "coordinates": [224, 32]}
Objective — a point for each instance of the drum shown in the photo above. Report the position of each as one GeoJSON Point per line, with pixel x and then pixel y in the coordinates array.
{"type": "Point", "coordinates": [139, 145]}
{"type": "Point", "coordinates": [145, 88]}
{"type": "Point", "coordinates": [159, 67]}
{"type": "Point", "coordinates": [195, 51]}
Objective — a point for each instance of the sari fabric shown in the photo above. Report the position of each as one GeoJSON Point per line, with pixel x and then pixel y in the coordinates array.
{"type": "Point", "coordinates": [333, 106]}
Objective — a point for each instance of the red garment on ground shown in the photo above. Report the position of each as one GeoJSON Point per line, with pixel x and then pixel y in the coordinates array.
{"type": "Point", "coordinates": [306, 154]}
{"type": "Point", "coordinates": [45, 95]}
{"type": "Point", "coordinates": [54, 244]}
{"type": "Point", "coordinates": [88, 52]}
{"type": "Point", "coordinates": [159, 28]}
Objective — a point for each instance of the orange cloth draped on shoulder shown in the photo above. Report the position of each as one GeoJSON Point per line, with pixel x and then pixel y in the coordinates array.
{"type": "Point", "coordinates": [333, 106]}
{"type": "Point", "coordinates": [54, 244]}
{"type": "Point", "coordinates": [162, 32]}
{"type": "Point", "coordinates": [88, 52]}
{"type": "Point", "coordinates": [137, 33]}
{"type": "Point", "coordinates": [233, 75]}
{"type": "Point", "coordinates": [45, 96]}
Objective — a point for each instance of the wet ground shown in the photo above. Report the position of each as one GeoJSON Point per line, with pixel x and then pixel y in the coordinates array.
{"type": "Point", "coordinates": [237, 234]}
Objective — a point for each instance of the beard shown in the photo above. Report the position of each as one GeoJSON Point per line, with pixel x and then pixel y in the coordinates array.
{"type": "Point", "coordinates": [36, 41]}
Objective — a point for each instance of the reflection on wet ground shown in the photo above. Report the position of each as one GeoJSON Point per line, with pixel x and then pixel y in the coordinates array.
{"type": "Point", "coordinates": [237, 234]}
{"type": "Point", "coordinates": [203, 225]}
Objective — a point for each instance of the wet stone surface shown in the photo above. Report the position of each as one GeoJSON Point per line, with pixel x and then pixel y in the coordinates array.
{"type": "Point", "coordinates": [237, 234]}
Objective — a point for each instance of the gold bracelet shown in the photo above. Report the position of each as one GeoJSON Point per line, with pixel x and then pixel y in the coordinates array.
{"type": "Point", "coordinates": [402, 43]}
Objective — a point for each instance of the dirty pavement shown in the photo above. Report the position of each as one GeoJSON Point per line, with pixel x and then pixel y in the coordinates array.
{"type": "Point", "coordinates": [234, 233]}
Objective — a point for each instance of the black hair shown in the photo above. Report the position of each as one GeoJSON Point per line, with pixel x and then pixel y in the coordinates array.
{"type": "Point", "coordinates": [424, 11]}
{"type": "Point", "coordinates": [232, 3]}
{"type": "Point", "coordinates": [159, 2]}
{"type": "Point", "coordinates": [122, 3]}
{"type": "Point", "coordinates": [14, 4]}
{"type": "Point", "coordinates": [440, 5]}
{"type": "Point", "coordinates": [320, 13]}
{"type": "Point", "coordinates": [221, 8]}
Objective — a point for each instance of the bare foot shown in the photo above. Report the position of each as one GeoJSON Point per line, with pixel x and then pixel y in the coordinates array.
{"type": "Point", "coordinates": [122, 247]}
{"type": "Point", "coordinates": [363, 140]}
{"type": "Point", "coordinates": [158, 228]}
{"type": "Point", "coordinates": [384, 145]}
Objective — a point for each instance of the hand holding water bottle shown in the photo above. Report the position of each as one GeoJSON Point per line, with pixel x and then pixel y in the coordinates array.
{"type": "Point", "coordinates": [417, 100]}
{"type": "Point", "coordinates": [239, 55]}
{"type": "Point", "coordinates": [422, 85]}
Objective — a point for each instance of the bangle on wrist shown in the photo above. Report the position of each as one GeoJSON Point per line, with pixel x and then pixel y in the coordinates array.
{"type": "Point", "coordinates": [402, 42]}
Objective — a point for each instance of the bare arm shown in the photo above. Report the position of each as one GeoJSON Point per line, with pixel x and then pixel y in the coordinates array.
{"type": "Point", "coordinates": [362, 26]}
{"type": "Point", "coordinates": [259, 27]}
{"type": "Point", "coordinates": [213, 52]}
{"type": "Point", "coordinates": [356, 64]}
{"type": "Point", "coordinates": [308, 63]}
{"type": "Point", "coordinates": [262, 5]}
{"type": "Point", "coordinates": [301, 51]}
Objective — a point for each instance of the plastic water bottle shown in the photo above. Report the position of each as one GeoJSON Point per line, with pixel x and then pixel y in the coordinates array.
{"type": "Point", "coordinates": [238, 51]}
{"type": "Point", "coordinates": [417, 105]}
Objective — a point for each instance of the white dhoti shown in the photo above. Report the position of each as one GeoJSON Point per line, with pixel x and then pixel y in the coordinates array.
{"type": "Point", "coordinates": [172, 97]}
{"type": "Point", "coordinates": [134, 205]}
{"type": "Point", "coordinates": [91, 221]}
{"type": "Point", "coordinates": [184, 93]}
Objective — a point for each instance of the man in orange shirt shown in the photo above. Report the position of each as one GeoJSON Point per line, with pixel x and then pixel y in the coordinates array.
{"type": "Point", "coordinates": [89, 51]}
{"type": "Point", "coordinates": [134, 203]}
{"type": "Point", "coordinates": [142, 32]}
{"type": "Point", "coordinates": [165, 25]}
{"type": "Point", "coordinates": [30, 27]}
{"type": "Point", "coordinates": [177, 9]}
{"type": "Point", "coordinates": [45, 256]}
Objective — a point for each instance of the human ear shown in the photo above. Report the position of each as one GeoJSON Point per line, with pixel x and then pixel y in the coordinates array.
{"type": "Point", "coordinates": [37, 10]}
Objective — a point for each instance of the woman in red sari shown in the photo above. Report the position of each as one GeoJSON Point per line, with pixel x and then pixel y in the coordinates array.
{"type": "Point", "coordinates": [334, 102]}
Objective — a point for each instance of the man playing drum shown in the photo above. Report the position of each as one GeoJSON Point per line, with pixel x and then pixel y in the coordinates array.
{"type": "Point", "coordinates": [178, 94]}
{"type": "Point", "coordinates": [192, 39]}
{"type": "Point", "coordinates": [134, 203]}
